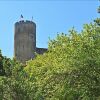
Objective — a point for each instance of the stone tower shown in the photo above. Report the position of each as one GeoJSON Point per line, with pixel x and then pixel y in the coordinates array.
{"type": "Point", "coordinates": [24, 40]}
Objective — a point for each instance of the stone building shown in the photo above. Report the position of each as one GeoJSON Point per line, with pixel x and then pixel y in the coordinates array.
{"type": "Point", "coordinates": [25, 41]}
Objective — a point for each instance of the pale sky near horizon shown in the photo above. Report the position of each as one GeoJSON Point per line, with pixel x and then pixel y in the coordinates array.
{"type": "Point", "coordinates": [51, 17]}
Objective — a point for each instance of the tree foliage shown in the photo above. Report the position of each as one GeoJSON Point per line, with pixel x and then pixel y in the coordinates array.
{"type": "Point", "coordinates": [70, 70]}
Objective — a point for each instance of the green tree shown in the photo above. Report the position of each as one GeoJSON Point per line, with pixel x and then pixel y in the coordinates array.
{"type": "Point", "coordinates": [70, 69]}
{"type": "Point", "coordinates": [2, 71]}
{"type": "Point", "coordinates": [15, 84]}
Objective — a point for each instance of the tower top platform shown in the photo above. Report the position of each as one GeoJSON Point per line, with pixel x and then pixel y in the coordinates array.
{"type": "Point", "coordinates": [24, 22]}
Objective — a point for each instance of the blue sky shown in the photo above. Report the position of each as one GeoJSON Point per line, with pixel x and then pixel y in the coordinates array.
{"type": "Point", "coordinates": [51, 17]}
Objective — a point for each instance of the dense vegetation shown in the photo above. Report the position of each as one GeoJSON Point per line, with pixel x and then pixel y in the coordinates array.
{"type": "Point", "coordinates": [69, 70]}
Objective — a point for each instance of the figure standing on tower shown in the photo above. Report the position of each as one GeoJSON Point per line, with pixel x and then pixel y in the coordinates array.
{"type": "Point", "coordinates": [21, 17]}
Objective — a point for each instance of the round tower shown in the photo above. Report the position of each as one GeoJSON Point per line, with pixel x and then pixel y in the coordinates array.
{"type": "Point", "coordinates": [24, 40]}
